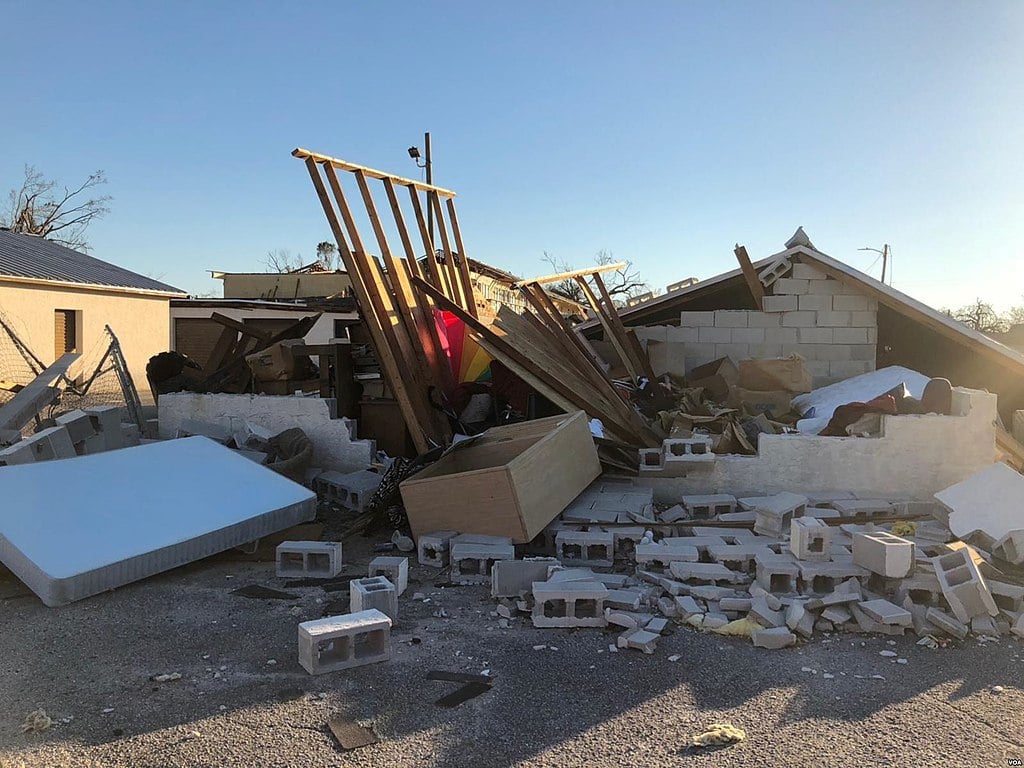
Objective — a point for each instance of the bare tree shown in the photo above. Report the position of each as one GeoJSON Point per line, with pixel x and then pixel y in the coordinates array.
{"type": "Point", "coordinates": [281, 260]}
{"type": "Point", "coordinates": [325, 253]}
{"type": "Point", "coordinates": [38, 207]}
{"type": "Point", "coordinates": [622, 284]}
{"type": "Point", "coordinates": [981, 317]}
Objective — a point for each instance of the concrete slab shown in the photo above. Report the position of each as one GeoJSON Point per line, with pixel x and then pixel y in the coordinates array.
{"type": "Point", "coordinates": [991, 501]}
{"type": "Point", "coordinates": [123, 527]}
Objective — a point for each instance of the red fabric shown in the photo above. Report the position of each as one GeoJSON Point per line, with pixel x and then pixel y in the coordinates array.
{"type": "Point", "coordinates": [845, 415]}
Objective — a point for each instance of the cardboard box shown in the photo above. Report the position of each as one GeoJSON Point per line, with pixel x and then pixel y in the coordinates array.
{"type": "Point", "coordinates": [716, 377]}
{"type": "Point", "coordinates": [778, 400]}
{"type": "Point", "coordinates": [510, 481]}
{"type": "Point", "coordinates": [786, 373]}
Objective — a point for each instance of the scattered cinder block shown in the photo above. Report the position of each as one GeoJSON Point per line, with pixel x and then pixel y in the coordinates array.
{"type": "Point", "coordinates": [686, 450]}
{"type": "Point", "coordinates": [948, 624]}
{"type": "Point", "coordinates": [569, 604]}
{"type": "Point", "coordinates": [308, 559]}
{"type": "Point", "coordinates": [514, 578]}
{"type": "Point", "coordinates": [432, 548]}
{"type": "Point", "coordinates": [78, 425]}
{"type": "Point", "coordinates": [774, 638]}
{"type": "Point", "coordinates": [341, 642]}
{"type": "Point", "coordinates": [800, 620]}
{"type": "Point", "coordinates": [867, 624]}
{"type": "Point", "coordinates": [627, 599]}
{"type": "Point", "coordinates": [736, 557]}
{"type": "Point", "coordinates": [822, 578]}
{"type": "Point", "coordinates": [837, 614]}
{"type": "Point", "coordinates": [765, 616]}
{"type": "Point", "coordinates": [737, 604]}
{"type": "Point", "coordinates": [810, 539]}
{"type": "Point", "coordinates": [885, 612]}
{"type": "Point", "coordinates": [776, 573]}
{"type": "Point", "coordinates": [374, 592]}
{"type": "Point", "coordinates": [352, 490]}
{"type": "Point", "coordinates": [702, 507]}
{"type": "Point", "coordinates": [395, 569]}
{"type": "Point", "coordinates": [963, 586]}
{"type": "Point", "coordinates": [984, 625]}
{"type": "Point", "coordinates": [686, 606]}
{"type": "Point", "coordinates": [883, 553]}
{"type": "Point", "coordinates": [1011, 547]}
{"type": "Point", "coordinates": [48, 444]}
{"type": "Point", "coordinates": [774, 513]}
{"type": "Point", "coordinates": [706, 573]}
{"type": "Point", "coordinates": [664, 555]}
{"type": "Point", "coordinates": [471, 561]}
{"type": "Point", "coordinates": [863, 507]}
{"type": "Point", "coordinates": [639, 639]}
{"type": "Point", "coordinates": [592, 548]}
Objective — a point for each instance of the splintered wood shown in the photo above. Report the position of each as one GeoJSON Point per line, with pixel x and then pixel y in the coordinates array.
{"type": "Point", "coordinates": [398, 300]}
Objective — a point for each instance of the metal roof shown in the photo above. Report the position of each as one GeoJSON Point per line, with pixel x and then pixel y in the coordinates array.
{"type": "Point", "coordinates": [29, 257]}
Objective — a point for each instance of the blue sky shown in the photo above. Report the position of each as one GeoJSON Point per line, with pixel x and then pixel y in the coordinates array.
{"type": "Point", "coordinates": [664, 132]}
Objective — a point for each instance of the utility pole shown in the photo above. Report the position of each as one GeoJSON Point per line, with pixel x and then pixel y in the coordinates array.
{"type": "Point", "coordinates": [884, 253]}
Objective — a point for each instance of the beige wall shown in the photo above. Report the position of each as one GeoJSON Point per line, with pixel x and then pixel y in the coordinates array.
{"type": "Point", "coordinates": [284, 286]}
{"type": "Point", "coordinates": [141, 323]}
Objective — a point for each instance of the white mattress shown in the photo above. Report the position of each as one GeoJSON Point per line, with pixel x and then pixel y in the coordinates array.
{"type": "Point", "coordinates": [76, 527]}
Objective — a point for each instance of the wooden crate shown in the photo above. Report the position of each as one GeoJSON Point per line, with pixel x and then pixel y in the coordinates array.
{"type": "Point", "coordinates": [510, 481]}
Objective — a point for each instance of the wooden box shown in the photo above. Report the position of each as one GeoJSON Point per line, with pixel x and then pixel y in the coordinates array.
{"type": "Point", "coordinates": [510, 481]}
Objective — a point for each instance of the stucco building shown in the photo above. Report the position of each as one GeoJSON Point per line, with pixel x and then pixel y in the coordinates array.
{"type": "Point", "coordinates": [58, 300]}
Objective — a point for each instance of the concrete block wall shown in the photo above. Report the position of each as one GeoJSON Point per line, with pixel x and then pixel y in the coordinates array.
{"type": "Point", "coordinates": [915, 457]}
{"type": "Point", "coordinates": [831, 325]}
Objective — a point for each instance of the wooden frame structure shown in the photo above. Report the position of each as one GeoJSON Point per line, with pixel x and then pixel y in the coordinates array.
{"type": "Point", "coordinates": [400, 319]}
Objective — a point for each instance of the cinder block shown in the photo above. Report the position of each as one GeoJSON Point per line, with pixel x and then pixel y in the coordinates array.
{"type": "Point", "coordinates": [885, 612]}
{"type": "Point", "coordinates": [696, 319]}
{"type": "Point", "coordinates": [851, 302]}
{"type": "Point", "coordinates": [862, 351]}
{"type": "Point", "coordinates": [947, 623]}
{"type": "Point", "coordinates": [712, 335]}
{"type": "Point", "coordinates": [591, 548]}
{"type": "Point", "coordinates": [810, 539]}
{"type": "Point", "coordinates": [471, 561]}
{"type": "Point", "coordinates": [847, 369]}
{"type": "Point", "coordinates": [807, 272]}
{"type": "Point", "coordinates": [773, 513]}
{"type": "Point", "coordinates": [432, 548]}
{"type": "Point", "coordinates": [50, 443]}
{"type": "Point", "coordinates": [19, 453]}
{"type": "Point", "coordinates": [815, 303]}
{"type": "Point", "coordinates": [515, 578]}
{"type": "Point", "coordinates": [873, 336]}
{"type": "Point", "coordinates": [734, 351]}
{"type": "Point", "coordinates": [867, 319]}
{"type": "Point", "coordinates": [341, 642]}
{"type": "Point", "coordinates": [569, 604]}
{"type": "Point", "coordinates": [778, 268]}
{"type": "Point", "coordinates": [681, 335]}
{"type": "Point", "coordinates": [815, 335]}
{"type": "Point", "coordinates": [780, 304]}
{"type": "Point", "coordinates": [824, 577]}
{"type": "Point", "coordinates": [963, 586]}
{"type": "Point", "coordinates": [781, 335]}
{"type": "Point", "coordinates": [766, 351]}
{"type": "Point", "coordinates": [833, 319]}
{"type": "Point", "coordinates": [883, 553]}
{"type": "Point", "coordinates": [774, 638]}
{"type": "Point", "coordinates": [748, 335]}
{"type": "Point", "coordinates": [308, 559]}
{"type": "Point", "coordinates": [688, 449]}
{"type": "Point", "coordinates": [664, 555]}
{"type": "Point", "coordinates": [775, 573]}
{"type": "Point", "coordinates": [638, 639]}
{"type": "Point", "coordinates": [798, 320]}
{"type": "Point", "coordinates": [1011, 547]}
{"type": "Point", "coordinates": [703, 507]}
{"type": "Point", "coordinates": [736, 557]}
{"type": "Point", "coordinates": [374, 592]}
{"type": "Point", "coordinates": [352, 490]}
{"type": "Point", "coordinates": [765, 319]}
{"type": "Point", "coordinates": [731, 318]}
{"type": "Point", "coordinates": [78, 425]}
{"type": "Point", "coordinates": [789, 285]}
{"type": "Point", "coordinates": [800, 620]}
{"type": "Point", "coordinates": [850, 335]}
{"type": "Point", "coordinates": [394, 569]}
{"type": "Point", "coordinates": [705, 573]}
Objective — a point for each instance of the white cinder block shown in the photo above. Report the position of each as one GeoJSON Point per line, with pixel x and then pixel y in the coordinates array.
{"type": "Point", "coordinates": [830, 287]}
{"type": "Point", "coordinates": [780, 303]}
{"type": "Point", "coordinates": [833, 319]}
{"type": "Point", "coordinates": [862, 352]}
{"type": "Point", "coordinates": [696, 319]}
{"type": "Point", "coordinates": [781, 335]}
{"type": "Point", "coordinates": [748, 335]}
{"type": "Point", "coordinates": [681, 335]}
{"type": "Point", "coordinates": [850, 335]}
{"type": "Point", "coordinates": [817, 303]}
{"type": "Point", "coordinates": [340, 642]}
{"type": "Point", "coordinates": [765, 319]}
{"type": "Point", "coordinates": [798, 319]}
{"type": "Point", "coordinates": [713, 335]}
{"type": "Point", "coordinates": [309, 559]}
{"type": "Point", "coordinates": [788, 285]}
{"type": "Point", "coordinates": [731, 318]}
{"type": "Point", "coordinates": [394, 569]}
{"type": "Point", "coordinates": [735, 351]}
{"type": "Point", "coordinates": [815, 335]}
{"type": "Point", "coordinates": [807, 272]}
{"type": "Point", "coordinates": [765, 351]}
{"type": "Point", "coordinates": [850, 302]}
{"type": "Point", "coordinates": [866, 319]}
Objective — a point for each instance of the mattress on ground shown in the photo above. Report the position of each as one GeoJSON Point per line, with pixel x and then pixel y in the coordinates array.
{"type": "Point", "coordinates": [76, 527]}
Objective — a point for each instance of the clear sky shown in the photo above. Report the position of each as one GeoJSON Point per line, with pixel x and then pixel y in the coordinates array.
{"type": "Point", "coordinates": [664, 132]}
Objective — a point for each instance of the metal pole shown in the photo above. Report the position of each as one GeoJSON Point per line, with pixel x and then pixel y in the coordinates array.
{"type": "Point", "coordinates": [885, 259]}
{"type": "Point", "coordinates": [430, 208]}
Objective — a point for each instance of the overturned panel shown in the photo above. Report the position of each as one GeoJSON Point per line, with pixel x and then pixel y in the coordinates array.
{"type": "Point", "coordinates": [125, 515]}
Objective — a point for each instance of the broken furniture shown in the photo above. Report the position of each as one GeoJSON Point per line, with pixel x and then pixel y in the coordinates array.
{"type": "Point", "coordinates": [130, 519]}
{"type": "Point", "coordinates": [510, 481]}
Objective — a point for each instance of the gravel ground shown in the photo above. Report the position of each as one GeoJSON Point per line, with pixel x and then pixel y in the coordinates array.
{"type": "Point", "coordinates": [572, 703]}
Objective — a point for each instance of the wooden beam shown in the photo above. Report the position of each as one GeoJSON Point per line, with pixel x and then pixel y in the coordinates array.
{"type": "Point", "coordinates": [449, 256]}
{"type": "Point", "coordinates": [632, 346]}
{"type": "Point", "coordinates": [463, 265]}
{"type": "Point", "coordinates": [570, 275]}
{"type": "Point", "coordinates": [342, 165]}
{"type": "Point", "coordinates": [610, 332]}
{"type": "Point", "coordinates": [36, 395]}
{"type": "Point", "coordinates": [435, 274]}
{"type": "Point", "coordinates": [240, 327]}
{"type": "Point", "coordinates": [750, 276]}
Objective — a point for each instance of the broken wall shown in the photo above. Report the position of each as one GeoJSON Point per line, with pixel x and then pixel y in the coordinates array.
{"type": "Point", "coordinates": [334, 446]}
{"type": "Point", "coordinates": [915, 457]}
{"type": "Point", "coordinates": [831, 325]}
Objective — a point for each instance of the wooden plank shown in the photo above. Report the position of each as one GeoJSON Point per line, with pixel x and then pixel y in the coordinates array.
{"type": "Point", "coordinates": [467, 279]}
{"type": "Point", "coordinates": [424, 311]}
{"type": "Point", "coordinates": [640, 362]}
{"type": "Point", "coordinates": [750, 276]}
{"type": "Point", "coordinates": [609, 331]}
{"type": "Point", "coordinates": [240, 327]}
{"type": "Point", "coordinates": [640, 354]}
{"type": "Point", "coordinates": [36, 395]}
{"type": "Point", "coordinates": [342, 165]}
{"type": "Point", "coordinates": [449, 257]}
{"type": "Point", "coordinates": [388, 364]}
{"type": "Point", "coordinates": [435, 275]}
{"type": "Point", "coordinates": [408, 368]}
{"type": "Point", "coordinates": [222, 349]}
{"type": "Point", "coordinates": [403, 230]}
{"type": "Point", "coordinates": [556, 278]}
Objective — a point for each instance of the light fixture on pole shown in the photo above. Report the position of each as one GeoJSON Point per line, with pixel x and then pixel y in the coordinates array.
{"type": "Point", "coordinates": [414, 153]}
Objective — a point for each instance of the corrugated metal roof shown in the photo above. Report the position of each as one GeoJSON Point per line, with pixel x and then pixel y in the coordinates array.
{"type": "Point", "coordinates": [35, 258]}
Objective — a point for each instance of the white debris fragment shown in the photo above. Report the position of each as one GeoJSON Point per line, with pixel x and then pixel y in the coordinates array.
{"type": "Point", "coordinates": [997, 689]}
{"type": "Point", "coordinates": [166, 678]}
{"type": "Point", "coordinates": [539, 647]}
{"type": "Point", "coordinates": [887, 654]}
{"type": "Point", "coordinates": [901, 661]}
{"type": "Point", "coordinates": [271, 662]}
{"type": "Point", "coordinates": [827, 676]}
{"type": "Point", "coordinates": [674, 657]}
